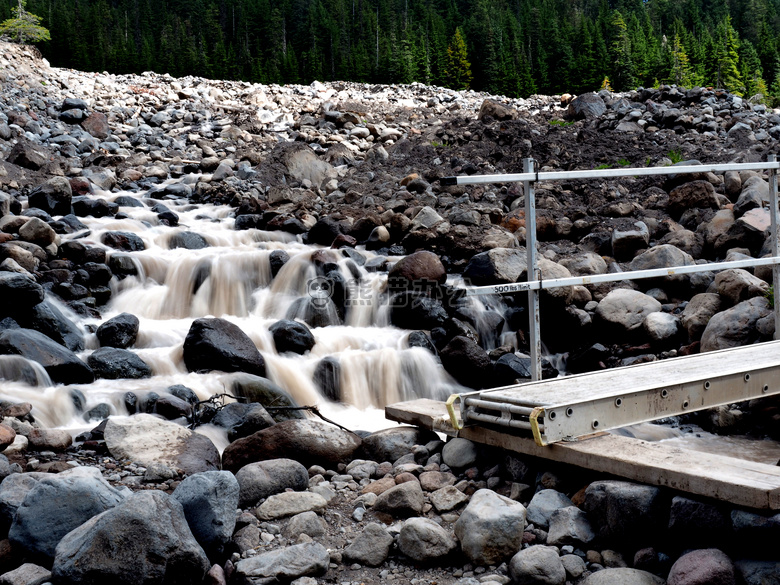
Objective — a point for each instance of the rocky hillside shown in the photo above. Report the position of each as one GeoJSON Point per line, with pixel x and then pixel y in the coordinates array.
{"type": "Point", "coordinates": [142, 499]}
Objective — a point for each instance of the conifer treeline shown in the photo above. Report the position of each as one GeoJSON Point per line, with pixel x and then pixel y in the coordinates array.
{"type": "Point", "coordinates": [512, 47]}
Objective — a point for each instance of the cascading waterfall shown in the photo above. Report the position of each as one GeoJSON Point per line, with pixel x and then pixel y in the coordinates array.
{"type": "Point", "coordinates": [232, 278]}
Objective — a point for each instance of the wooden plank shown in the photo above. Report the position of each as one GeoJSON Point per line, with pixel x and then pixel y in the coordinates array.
{"type": "Point", "coordinates": [742, 483]}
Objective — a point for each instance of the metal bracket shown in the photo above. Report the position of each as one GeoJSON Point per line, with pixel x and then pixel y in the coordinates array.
{"type": "Point", "coordinates": [456, 424]}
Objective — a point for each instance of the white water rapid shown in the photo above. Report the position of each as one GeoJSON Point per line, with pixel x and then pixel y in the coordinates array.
{"type": "Point", "coordinates": [232, 279]}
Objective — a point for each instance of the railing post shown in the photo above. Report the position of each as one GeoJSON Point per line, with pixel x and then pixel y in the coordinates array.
{"type": "Point", "coordinates": [533, 273]}
{"type": "Point", "coordinates": [775, 268]}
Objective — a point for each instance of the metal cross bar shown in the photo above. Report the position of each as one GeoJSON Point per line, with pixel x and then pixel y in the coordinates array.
{"type": "Point", "coordinates": [474, 409]}
{"type": "Point", "coordinates": [607, 173]}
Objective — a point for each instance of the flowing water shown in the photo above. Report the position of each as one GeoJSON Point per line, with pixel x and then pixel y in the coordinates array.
{"type": "Point", "coordinates": [232, 279]}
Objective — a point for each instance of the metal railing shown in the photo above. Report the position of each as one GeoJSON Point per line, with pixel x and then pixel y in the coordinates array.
{"type": "Point", "coordinates": [530, 177]}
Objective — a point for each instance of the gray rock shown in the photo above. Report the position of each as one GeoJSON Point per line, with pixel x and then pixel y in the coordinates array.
{"type": "Point", "coordinates": [624, 512]}
{"type": "Point", "coordinates": [759, 572]}
{"type": "Point", "coordinates": [145, 539]}
{"type": "Point", "coordinates": [284, 565]}
{"type": "Point", "coordinates": [302, 164]}
{"type": "Point", "coordinates": [702, 567]}
{"type": "Point", "coordinates": [308, 523]}
{"type": "Point", "coordinates": [37, 232]}
{"type": "Point", "coordinates": [257, 389]}
{"type": "Point", "coordinates": [13, 490]}
{"type": "Point", "coordinates": [625, 310]}
{"type": "Point", "coordinates": [62, 365]}
{"type": "Point", "coordinates": [663, 256]}
{"type": "Point", "coordinates": [403, 500]}
{"type": "Point", "coordinates": [447, 498]}
{"type": "Point", "coordinates": [424, 541]}
{"type": "Point", "coordinates": [209, 500]}
{"type": "Point", "coordinates": [698, 194]}
{"type": "Point", "coordinates": [148, 439]}
{"type": "Point", "coordinates": [112, 363]}
{"type": "Point", "coordinates": [698, 312]}
{"type": "Point", "coordinates": [737, 285]}
{"type": "Point", "coordinates": [661, 326]}
{"type": "Point", "coordinates": [56, 505]}
{"type": "Point", "coordinates": [543, 505]}
{"type": "Point", "coordinates": [370, 547]}
{"type": "Point", "coordinates": [392, 444]}
{"type": "Point", "coordinates": [736, 326]}
{"type": "Point", "coordinates": [54, 196]}
{"type": "Point", "coordinates": [537, 565]}
{"type": "Point", "coordinates": [585, 264]}
{"type": "Point", "coordinates": [27, 574]}
{"type": "Point", "coordinates": [490, 529]}
{"type": "Point", "coordinates": [289, 504]}
{"type": "Point", "coordinates": [586, 106]}
{"type": "Point", "coordinates": [627, 241]}
{"type": "Point", "coordinates": [460, 453]}
{"type": "Point", "coordinates": [574, 566]}
{"type": "Point", "coordinates": [622, 577]}
{"type": "Point", "coordinates": [569, 526]}
{"type": "Point", "coordinates": [259, 480]}
{"type": "Point", "coordinates": [496, 266]}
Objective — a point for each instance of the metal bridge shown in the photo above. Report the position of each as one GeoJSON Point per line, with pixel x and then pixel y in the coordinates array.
{"type": "Point", "coordinates": [530, 417]}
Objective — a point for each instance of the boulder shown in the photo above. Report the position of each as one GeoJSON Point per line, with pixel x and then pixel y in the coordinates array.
{"type": "Point", "coordinates": [120, 331]}
{"type": "Point", "coordinates": [661, 327]}
{"type": "Point", "coordinates": [417, 271]}
{"type": "Point", "coordinates": [38, 232]}
{"type": "Point", "coordinates": [490, 529]}
{"type": "Point", "coordinates": [28, 155]}
{"type": "Point", "coordinates": [19, 292]}
{"type": "Point", "coordinates": [144, 539]}
{"type": "Point", "coordinates": [624, 310]}
{"type": "Point", "coordinates": [495, 110]}
{"type": "Point", "coordinates": [734, 327]}
{"type": "Point", "coordinates": [256, 389]}
{"type": "Point", "coordinates": [537, 565]}
{"type": "Point", "coordinates": [218, 344]}
{"type": "Point", "coordinates": [403, 500]}
{"type": "Point", "coordinates": [54, 196]}
{"type": "Point", "coordinates": [569, 525]}
{"type": "Point", "coordinates": [702, 567]}
{"type": "Point", "coordinates": [586, 106]}
{"type": "Point", "coordinates": [698, 312]}
{"type": "Point", "coordinates": [625, 512]}
{"type": "Point", "coordinates": [284, 564]}
{"type": "Point", "coordinates": [425, 541]}
{"type": "Point", "coordinates": [148, 439]}
{"type": "Point", "coordinates": [209, 501]}
{"type": "Point", "coordinates": [262, 479]}
{"type": "Point", "coordinates": [468, 363]}
{"type": "Point", "coordinates": [291, 336]}
{"type": "Point", "coordinates": [188, 241]}
{"type": "Point", "coordinates": [736, 285]}
{"type": "Point", "coordinates": [698, 523]}
{"type": "Point", "coordinates": [112, 363]}
{"type": "Point", "coordinates": [496, 266]}
{"type": "Point", "coordinates": [370, 547]}
{"type": "Point", "coordinates": [543, 505]}
{"type": "Point", "coordinates": [416, 310]}
{"type": "Point", "coordinates": [13, 489]}
{"type": "Point", "coordinates": [699, 194]}
{"type": "Point", "coordinates": [49, 320]}
{"type": "Point", "coordinates": [626, 241]}
{"type": "Point", "coordinates": [303, 164]}
{"type": "Point", "coordinates": [447, 498]}
{"type": "Point", "coordinates": [289, 504]}
{"type": "Point", "coordinates": [325, 231]}
{"type": "Point", "coordinates": [60, 363]}
{"type": "Point", "coordinates": [54, 506]}
{"type": "Point", "coordinates": [241, 420]}
{"type": "Point", "coordinates": [392, 444]}
{"type": "Point", "coordinates": [309, 442]}
{"type": "Point", "coordinates": [460, 453]}
{"type": "Point", "coordinates": [585, 264]}
{"type": "Point", "coordinates": [308, 523]}
{"type": "Point", "coordinates": [663, 256]}
{"type": "Point", "coordinates": [622, 576]}
{"type": "Point", "coordinates": [125, 241]}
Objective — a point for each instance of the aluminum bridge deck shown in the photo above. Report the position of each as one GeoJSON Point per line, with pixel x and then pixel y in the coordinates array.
{"type": "Point", "coordinates": [563, 420]}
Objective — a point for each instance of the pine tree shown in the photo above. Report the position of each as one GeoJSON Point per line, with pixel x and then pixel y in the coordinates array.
{"type": "Point", "coordinates": [752, 74]}
{"type": "Point", "coordinates": [623, 72]}
{"type": "Point", "coordinates": [680, 73]}
{"type": "Point", "coordinates": [25, 27]}
{"type": "Point", "coordinates": [727, 58]}
{"type": "Point", "coordinates": [458, 72]}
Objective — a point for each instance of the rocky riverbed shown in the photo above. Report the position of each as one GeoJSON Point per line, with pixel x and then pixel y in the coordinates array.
{"type": "Point", "coordinates": [164, 241]}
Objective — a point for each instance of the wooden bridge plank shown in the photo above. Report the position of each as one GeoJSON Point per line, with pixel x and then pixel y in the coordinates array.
{"type": "Point", "coordinates": [742, 483]}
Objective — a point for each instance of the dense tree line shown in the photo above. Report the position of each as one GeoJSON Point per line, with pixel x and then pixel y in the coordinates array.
{"type": "Point", "coordinates": [513, 47]}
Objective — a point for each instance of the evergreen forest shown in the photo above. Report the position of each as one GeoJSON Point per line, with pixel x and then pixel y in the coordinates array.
{"type": "Point", "coordinates": [511, 47]}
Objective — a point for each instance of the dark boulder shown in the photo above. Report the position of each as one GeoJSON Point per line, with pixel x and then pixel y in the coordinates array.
{"type": "Point", "coordinates": [327, 377]}
{"type": "Point", "coordinates": [412, 310]}
{"type": "Point", "coordinates": [120, 331]}
{"type": "Point", "coordinates": [19, 292]}
{"type": "Point", "coordinates": [468, 363]}
{"type": "Point", "coordinates": [418, 271]}
{"type": "Point", "coordinates": [188, 241]}
{"type": "Point", "coordinates": [291, 336]}
{"type": "Point", "coordinates": [49, 320]}
{"type": "Point", "coordinates": [261, 390]}
{"type": "Point", "coordinates": [60, 363]}
{"type": "Point", "coordinates": [125, 241]}
{"type": "Point", "coordinates": [586, 106]}
{"type": "Point", "coordinates": [54, 196]}
{"type": "Point", "coordinates": [217, 344]}
{"type": "Point", "coordinates": [112, 363]}
{"type": "Point", "coordinates": [325, 231]}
